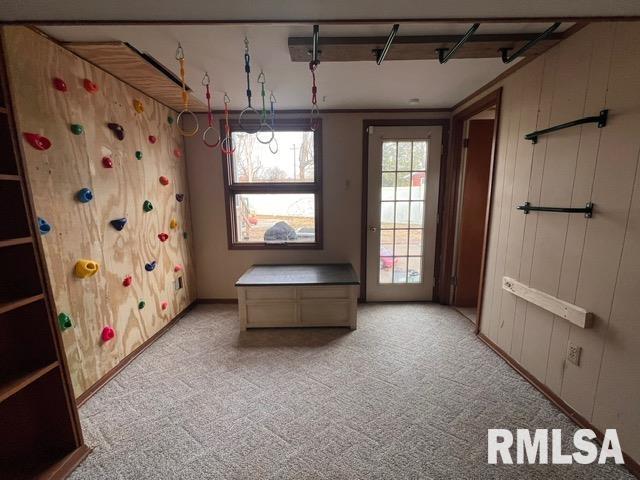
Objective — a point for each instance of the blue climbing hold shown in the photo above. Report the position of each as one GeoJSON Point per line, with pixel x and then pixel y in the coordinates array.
{"type": "Point", "coordinates": [119, 223]}
{"type": "Point", "coordinates": [150, 266]}
{"type": "Point", "coordinates": [43, 226]}
{"type": "Point", "coordinates": [84, 195]}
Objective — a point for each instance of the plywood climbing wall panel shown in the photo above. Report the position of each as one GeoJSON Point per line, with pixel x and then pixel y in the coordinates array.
{"type": "Point", "coordinates": [83, 230]}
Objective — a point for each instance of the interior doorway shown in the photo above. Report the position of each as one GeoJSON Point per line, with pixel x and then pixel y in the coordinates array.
{"type": "Point", "coordinates": [473, 149]}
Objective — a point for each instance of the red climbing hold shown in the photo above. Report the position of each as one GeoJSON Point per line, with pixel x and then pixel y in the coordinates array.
{"type": "Point", "coordinates": [107, 333]}
{"type": "Point", "coordinates": [164, 180]}
{"type": "Point", "coordinates": [127, 281]}
{"type": "Point", "coordinates": [164, 305]}
{"type": "Point", "coordinates": [107, 162]}
{"type": "Point", "coordinates": [163, 237]}
{"type": "Point", "coordinates": [152, 139]}
{"type": "Point", "coordinates": [59, 84]}
{"type": "Point", "coordinates": [177, 152]}
{"type": "Point", "coordinates": [89, 86]}
{"type": "Point", "coordinates": [37, 141]}
{"type": "Point", "coordinates": [177, 268]}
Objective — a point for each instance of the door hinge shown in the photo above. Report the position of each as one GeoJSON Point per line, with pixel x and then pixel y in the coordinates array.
{"type": "Point", "coordinates": [465, 143]}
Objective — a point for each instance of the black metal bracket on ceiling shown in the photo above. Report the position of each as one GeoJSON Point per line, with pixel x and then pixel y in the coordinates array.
{"type": "Point", "coordinates": [601, 120]}
{"type": "Point", "coordinates": [443, 56]}
{"type": "Point", "coordinates": [381, 53]}
{"type": "Point", "coordinates": [506, 58]}
{"type": "Point", "coordinates": [315, 51]}
{"type": "Point", "coordinates": [526, 207]}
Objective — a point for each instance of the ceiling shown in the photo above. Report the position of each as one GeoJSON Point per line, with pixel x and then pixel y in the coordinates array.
{"type": "Point", "coordinates": [269, 10]}
{"type": "Point", "coordinates": [219, 49]}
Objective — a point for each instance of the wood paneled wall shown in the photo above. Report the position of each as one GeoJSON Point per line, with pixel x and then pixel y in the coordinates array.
{"type": "Point", "coordinates": [593, 263]}
{"type": "Point", "coordinates": [82, 230]}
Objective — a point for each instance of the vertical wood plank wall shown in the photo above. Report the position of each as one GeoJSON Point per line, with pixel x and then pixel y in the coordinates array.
{"type": "Point", "coordinates": [82, 230]}
{"type": "Point", "coordinates": [593, 263]}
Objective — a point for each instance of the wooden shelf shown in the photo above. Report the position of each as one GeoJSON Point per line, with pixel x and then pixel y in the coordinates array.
{"type": "Point", "coordinates": [10, 178]}
{"type": "Point", "coordinates": [18, 382]}
{"type": "Point", "coordinates": [13, 305]}
{"type": "Point", "coordinates": [15, 241]}
{"type": "Point", "coordinates": [3, 110]}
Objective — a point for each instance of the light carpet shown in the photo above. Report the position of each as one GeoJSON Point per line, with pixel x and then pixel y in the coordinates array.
{"type": "Point", "coordinates": [409, 395]}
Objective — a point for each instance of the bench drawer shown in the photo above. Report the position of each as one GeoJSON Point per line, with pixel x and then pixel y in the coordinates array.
{"type": "Point", "coordinates": [325, 313]}
{"type": "Point", "coordinates": [270, 293]}
{"type": "Point", "coordinates": [331, 291]}
{"type": "Point", "coordinates": [271, 314]}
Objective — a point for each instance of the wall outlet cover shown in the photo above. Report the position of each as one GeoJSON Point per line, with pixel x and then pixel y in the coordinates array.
{"type": "Point", "coordinates": [573, 353]}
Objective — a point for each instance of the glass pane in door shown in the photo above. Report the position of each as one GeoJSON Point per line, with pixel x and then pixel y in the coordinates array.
{"type": "Point", "coordinates": [402, 209]}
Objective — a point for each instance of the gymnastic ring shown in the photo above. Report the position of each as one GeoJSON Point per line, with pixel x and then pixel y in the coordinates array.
{"type": "Point", "coordinates": [183, 132]}
{"type": "Point", "coordinates": [314, 118]}
{"type": "Point", "coordinates": [247, 111]}
{"type": "Point", "coordinates": [204, 137]}
{"type": "Point", "coordinates": [271, 149]}
{"type": "Point", "coordinates": [273, 133]}
{"type": "Point", "coordinates": [226, 146]}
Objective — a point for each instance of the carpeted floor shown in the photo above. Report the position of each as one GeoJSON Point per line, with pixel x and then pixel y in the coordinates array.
{"type": "Point", "coordinates": [410, 394]}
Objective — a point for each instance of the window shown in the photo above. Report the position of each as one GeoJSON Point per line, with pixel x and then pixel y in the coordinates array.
{"type": "Point", "coordinates": [274, 200]}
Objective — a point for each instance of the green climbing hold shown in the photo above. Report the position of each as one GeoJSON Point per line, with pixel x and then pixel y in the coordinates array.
{"type": "Point", "coordinates": [147, 206]}
{"type": "Point", "coordinates": [170, 119]}
{"type": "Point", "coordinates": [77, 129]}
{"type": "Point", "coordinates": [141, 304]}
{"type": "Point", "coordinates": [64, 321]}
{"type": "Point", "coordinates": [139, 155]}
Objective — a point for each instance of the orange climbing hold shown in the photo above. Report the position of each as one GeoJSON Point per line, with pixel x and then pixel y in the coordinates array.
{"type": "Point", "coordinates": [138, 106]}
{"type": "Point", "coordinates": [86, 268]}
{"type": "Point", "coordinates": [89, 86]}
{"type": "Point", "coordinates": [173, 224]}
{"type": "Point", "coordinates": [164, 180]}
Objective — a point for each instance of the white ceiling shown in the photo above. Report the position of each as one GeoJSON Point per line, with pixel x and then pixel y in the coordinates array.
{"type": "Point", "coordinates": [219, 49]}
{"type": "Point", "coordinates": [200, 10]}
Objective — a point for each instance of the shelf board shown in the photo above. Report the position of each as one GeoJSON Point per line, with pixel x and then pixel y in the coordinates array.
{"type": "Point", "coordinates": [14, 304]}
{"type": "Point", "coordinates": [15, 241]}
{"type": "Point", "coordinates": [20, 381]}
{"type": "Point", "coordinates": [3, 110]}
{"type": "Point", "coordinates": [11, 178]}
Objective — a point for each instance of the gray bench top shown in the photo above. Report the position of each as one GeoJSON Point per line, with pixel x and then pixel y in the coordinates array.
{"type": "Point", "coordinates": [314, 274]}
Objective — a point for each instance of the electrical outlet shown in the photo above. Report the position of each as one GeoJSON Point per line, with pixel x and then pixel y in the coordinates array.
{"type": "Point", "coordinates": [573, 353]}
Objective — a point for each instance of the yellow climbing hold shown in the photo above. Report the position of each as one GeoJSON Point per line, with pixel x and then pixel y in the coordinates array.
{"type": "Point", "coordinates": [173, 224]}
{"type": "Point", "coordinates": [86, 268]}
{"type": "Point", "coordinates": [138, 106]}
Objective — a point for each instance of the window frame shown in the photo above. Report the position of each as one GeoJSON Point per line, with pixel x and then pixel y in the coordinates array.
{"type": "Point", "coordinates": [232, 188]}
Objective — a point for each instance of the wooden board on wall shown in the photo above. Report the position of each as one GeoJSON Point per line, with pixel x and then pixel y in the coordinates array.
{"type": "Point", "coordinates": [83, 230]}
{"type": "Point", "coordinates": [123, 62]}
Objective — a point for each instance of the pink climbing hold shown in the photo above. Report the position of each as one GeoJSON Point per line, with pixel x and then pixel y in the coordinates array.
{"type": "Point", "coordinates": [89, 86]}
{"type": "Point", "coordinates": [177, 268]}
{"type": "Point", "coordinates": [107, 162]}
{"type": "Point", "coordinates": [164, 305]}
{"type": "Point", "coordinates": [59, 84]}
{"type": "Point", "coordinates": [107, 333]}
{"type": "Point", "coordinates": [177, 152]}
{"type": "Point", "coordinates": [163, 237]}
{"type": "Point", "coordinates": [164, 180]}
{"type": "Point", "coordinates": [152, 139]}
{"type": "Point", "coordinates": [127, 281]}
{"type": "Point", "coordinates": [37, 141]}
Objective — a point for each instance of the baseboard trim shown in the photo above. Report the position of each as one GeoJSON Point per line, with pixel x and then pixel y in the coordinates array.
{"type": "Point", "coordinates": [68, 464]}
{"type": "Point", "coordinates": [632, 465]}
{"type": "Point", "coordinates": [217, 300]}
{"type": "Point", "coordinates": [129, 358]}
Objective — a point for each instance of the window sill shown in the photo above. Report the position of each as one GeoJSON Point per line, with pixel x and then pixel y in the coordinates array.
{"type": "Point", "coordinates": [275, 246]}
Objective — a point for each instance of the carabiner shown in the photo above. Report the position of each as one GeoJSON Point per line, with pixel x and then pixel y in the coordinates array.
{"type": "Point", "coordinates": [206, 80]}
{"type": "Point", "coordinates": [179, 52]}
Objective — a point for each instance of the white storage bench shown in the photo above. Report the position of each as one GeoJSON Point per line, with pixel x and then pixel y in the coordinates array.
{"type": "Point", "coordinates": [323, 295]}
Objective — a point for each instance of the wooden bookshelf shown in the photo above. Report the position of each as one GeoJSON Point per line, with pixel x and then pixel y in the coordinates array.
{"type": "Point", "coordinates": [40, 431]}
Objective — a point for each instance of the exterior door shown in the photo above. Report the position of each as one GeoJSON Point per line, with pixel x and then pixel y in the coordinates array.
{"type": "Point", "coordinates": [403, 180]}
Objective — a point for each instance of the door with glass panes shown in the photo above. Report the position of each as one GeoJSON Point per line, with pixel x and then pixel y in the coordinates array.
{"type": "Point", "coordinates": [403, 180]}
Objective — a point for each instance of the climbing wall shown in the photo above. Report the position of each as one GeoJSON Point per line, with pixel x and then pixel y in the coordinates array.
{"type": "Point", "coordinates": [72, 113]}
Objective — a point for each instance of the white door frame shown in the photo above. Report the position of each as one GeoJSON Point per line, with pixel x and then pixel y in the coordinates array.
{"type": "Point", "coordinates": [437, 130]}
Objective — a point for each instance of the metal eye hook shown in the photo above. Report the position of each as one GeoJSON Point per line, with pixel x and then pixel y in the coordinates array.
{"type": "Point", "coordinates": [179, 52]}
{"type": "Point", "coordinates": [261, 78]}
{"type": "Point", "coordinates": [227, 100]}
{"type": "Point", "coordinates": [246, 44]}
{"type": "Point", "coordinates": [272, 97]}
{"type": "Point", "coordinates": [206, 80]}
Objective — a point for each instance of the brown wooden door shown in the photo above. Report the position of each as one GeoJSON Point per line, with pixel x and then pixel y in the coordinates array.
{"type": "Point", "coordinates": [473, 210]}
